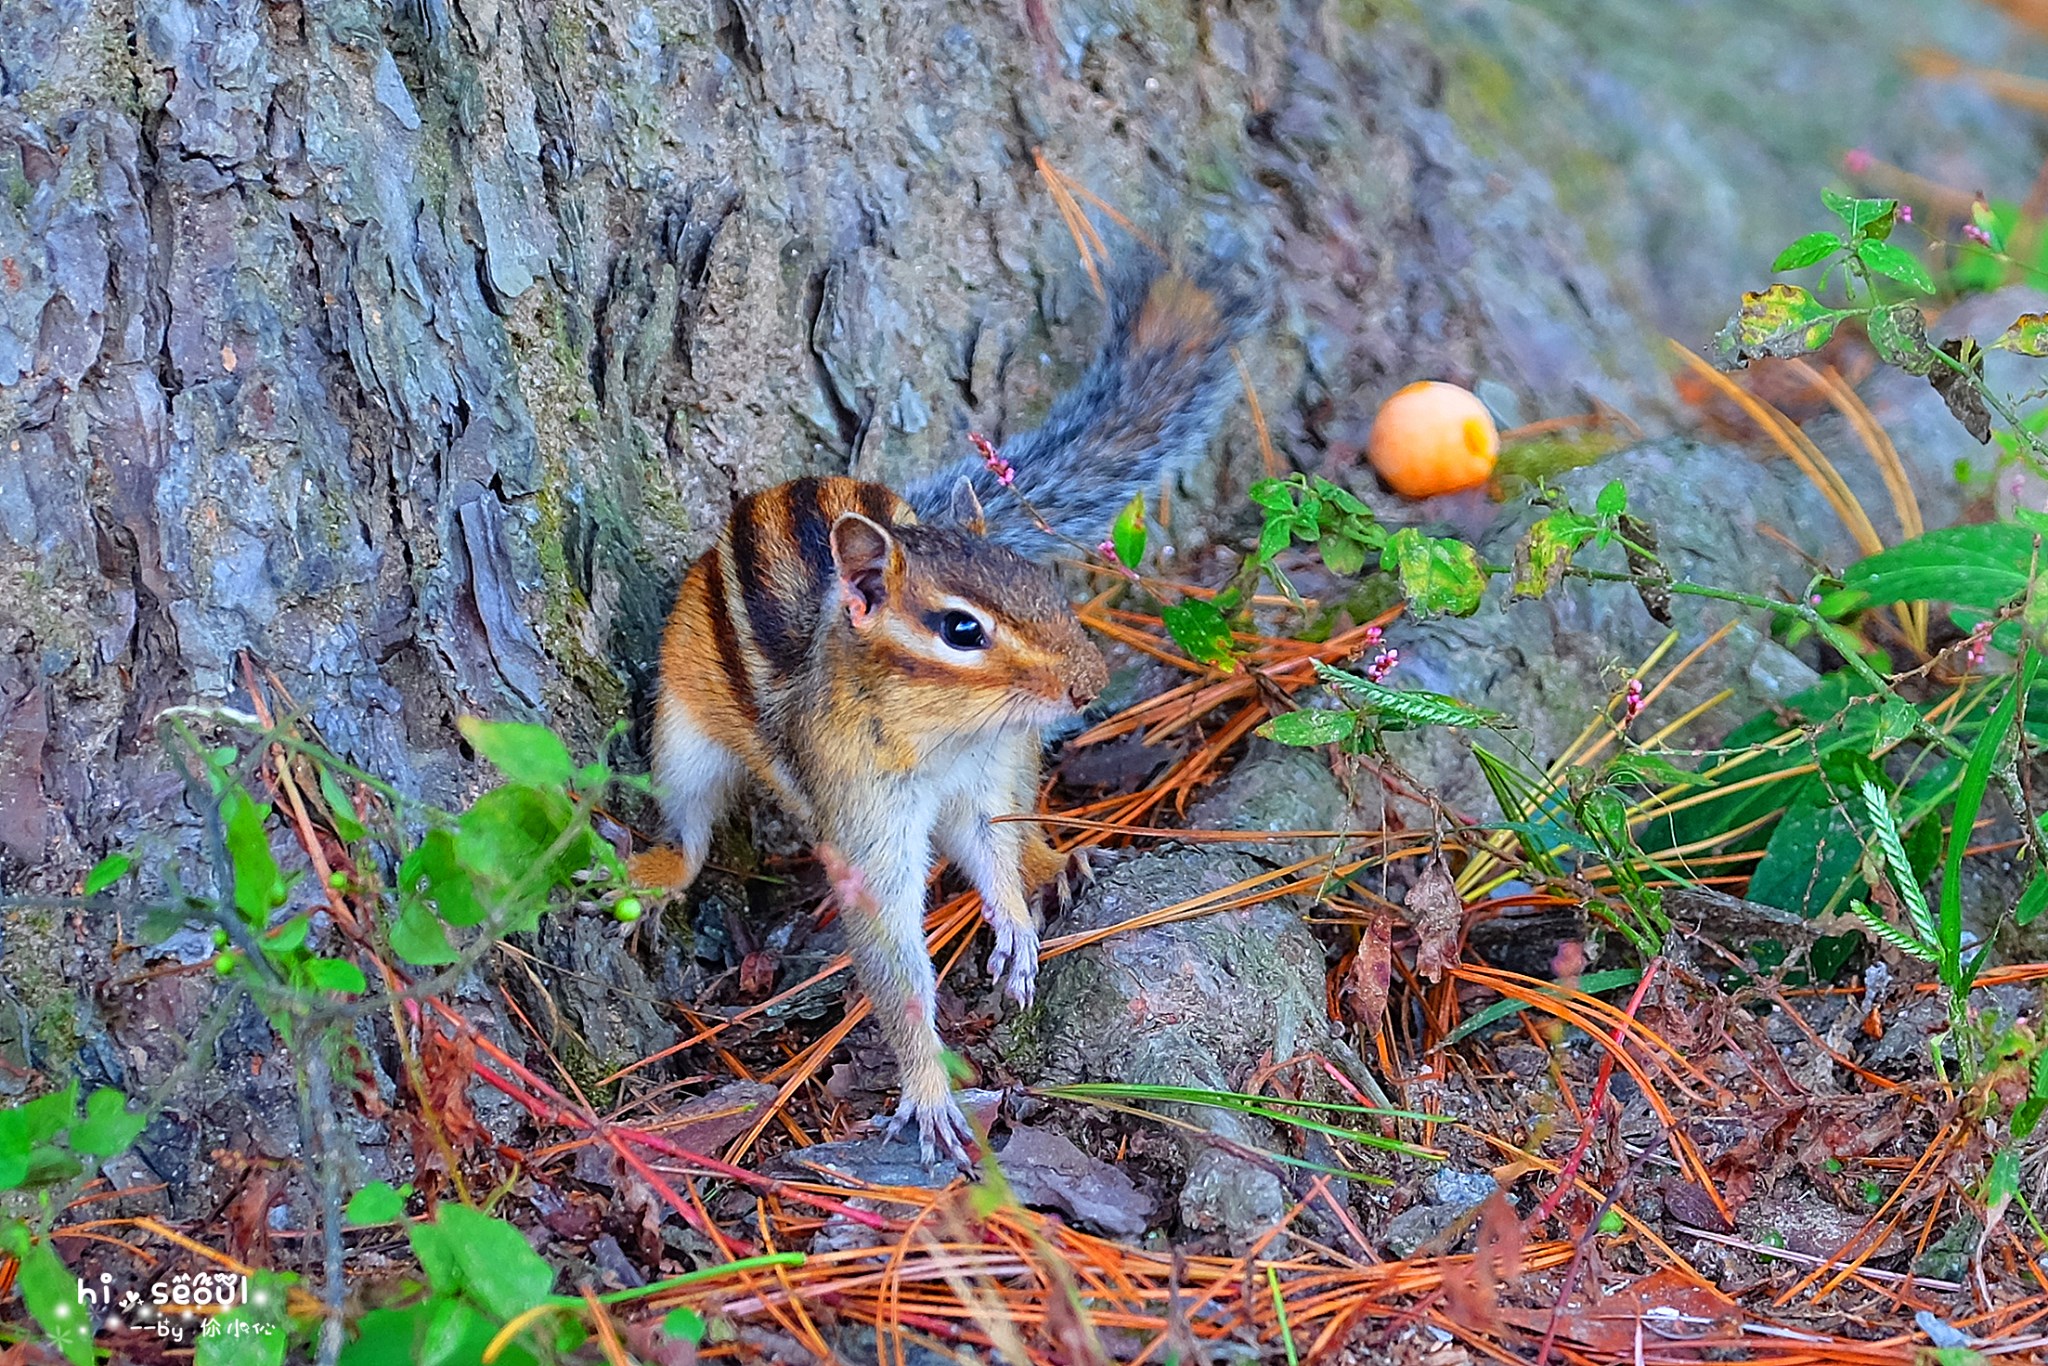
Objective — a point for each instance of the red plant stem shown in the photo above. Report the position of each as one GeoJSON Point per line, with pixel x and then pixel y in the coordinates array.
{"type": "Point", "coordinates": [1570, 1171]}
{"type": "Point", "coordinates": [548, 1104]}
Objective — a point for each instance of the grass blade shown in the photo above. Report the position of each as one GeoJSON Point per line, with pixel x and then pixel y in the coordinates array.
{"type": "Point", "coordinates": [1969, 797]}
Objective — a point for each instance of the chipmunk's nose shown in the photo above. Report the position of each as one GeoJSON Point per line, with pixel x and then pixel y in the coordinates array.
{"type": "Point", "coordinates": [1089, 677]}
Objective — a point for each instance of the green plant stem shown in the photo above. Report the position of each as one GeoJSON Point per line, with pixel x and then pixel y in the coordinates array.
{"type": "Point", "coordinates": [320, 1132]}
{"type": "Point", "coordinates": [2031, 443]}
{"type": "Point", "coordinates": [1280, 1312]}
{"type": "Point", "coordinates": [698, 1277]}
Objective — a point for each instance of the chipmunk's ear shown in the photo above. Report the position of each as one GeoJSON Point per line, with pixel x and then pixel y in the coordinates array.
{"type": "Point", "coordinates": [866, 557]}
{"type": "Point", "coordinates": [966, 509]}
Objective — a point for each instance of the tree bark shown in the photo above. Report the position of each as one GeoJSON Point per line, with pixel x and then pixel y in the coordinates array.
{"type": "Point", "coordinates": [411, 351]}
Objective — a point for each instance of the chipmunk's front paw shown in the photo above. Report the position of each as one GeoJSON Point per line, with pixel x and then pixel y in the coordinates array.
{"type": "Point", "coordinates": [939, 1125]}
{"type": "Point", "coordinates": [1015, 961]}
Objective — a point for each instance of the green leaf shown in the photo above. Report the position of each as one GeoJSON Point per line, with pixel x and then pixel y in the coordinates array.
{"type": "Point", "coordinates": [1781, 321]}
{"type": "Point", "coordinates": [2002, 1182]}
{"type": "Point", "coordinates": [503, 841]}
{"type": "Point", "coordinates": [1547, 548]}
{"type": "Point", "coordinates": [1274, 537]}
{"type": "Point", "coordinates": [51, 1293]}
{"type": "Point", "coordinates": [254, 1333]}
{"type": "Point", "coordinates": [1895, 263]}
{"type": "Point", "coordinates": [107, 872]}
{"type": "Point", "coordinates": [1812, 855]}
{"type": "Point", "coordinates": [1342, 555]}
{"type": "Point", "coordinates": [485, 1260]}
{"type": "Point", "coordinates": [2031, 902]}
{"type": "Point", "coordinates": [1303, 729]}
{"type": "Point", "coordinates": [1993, 223]}
{"type": "Point", "coordinates": [377, 1203]}
{"type": "Point", "coordinates": [259, 885]}
{"type": "Point", "coordinates": [336, 974]}
{"type": "Point", "coordinates": [1436, 573]}
{"type": "Point", "coordinates": [448, 884]}
{"type": "Point", "coordinates": [2028, 1115]}
{"type": "Point", "coordinates": [340, 810]}
{"type": "Point", "coordinates": [1274, 495]}
{"type": "Point", "coordinates": [109, 1126]}
{"type": "Point", "coordinates": [1411, 705]}
{"type": "Point", "coordinates": [1613, 499]}
{"type": "Point", "coordinates": [1899, 335]}
{"type": "Point", "coordinates": [1526, 808]}
{"type": "Point", "coordinates": [289, 936]}
{"type": "Point", "coordinates": [1980, 567]}
{"type": "Point", "coordinates": [1127, 533]}
{"type": "Point", "coordinates": [685, 1323]}
{"type": "Point", "coordinates": [419, 937]}
{"type": "Point", "coordinates": [1891, 934]}
{"type": "Point", "coordinates": [2027, 335]}
{"type": "Point", "coordinates": [1865, 218]}
{"type": "Point", "coordinates": [39, 1121]}
{"type": "Point", "coordinates": [1896, 718]}
{"type": "Point", "coordinates": [386, 1336]}
{"type": "Point", "coordinates": [1877, 804]}
{"type": "Point", "coordinates": [452, 1325]}
{"type": "Point", "coordinates": [1198, 628]}
{"type": "Point", "coordinates": [523, 753]}
{"type": "Point", "coordinates": [1808, 250]}
{"type": "Point", "coordinates": [1651, 771]}
{"type": "Point", "coordinates": [240, 1338]}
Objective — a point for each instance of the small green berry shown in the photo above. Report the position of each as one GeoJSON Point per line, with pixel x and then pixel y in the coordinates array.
{"type": "Point", "coordinates": [226, 963]}
{"type": "Point", "coordinates": [337, 880]}
{"type": "Point", "coordinates": [627, 909]}
{"type": "Point", "coordinates": [220, 937]}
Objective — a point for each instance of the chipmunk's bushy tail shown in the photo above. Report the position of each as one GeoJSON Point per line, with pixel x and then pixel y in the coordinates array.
{"type": "Point", "coordinates": [1148, 406]}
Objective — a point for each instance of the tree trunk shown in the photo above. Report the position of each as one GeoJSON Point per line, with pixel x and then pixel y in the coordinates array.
{"type": "Point", "coordinates": [409, 352]}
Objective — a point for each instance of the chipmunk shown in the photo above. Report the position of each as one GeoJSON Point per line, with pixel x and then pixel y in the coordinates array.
{"type": "Point", "coordinates": [884, 664]}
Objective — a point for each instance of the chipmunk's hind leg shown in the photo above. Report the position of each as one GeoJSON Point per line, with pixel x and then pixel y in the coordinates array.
{"type": "Point", "coordinates": [694, 779]}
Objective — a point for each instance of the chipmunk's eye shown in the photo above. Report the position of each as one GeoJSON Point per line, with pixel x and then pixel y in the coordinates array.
{"type": "Point", "coordinates": [962, 631]}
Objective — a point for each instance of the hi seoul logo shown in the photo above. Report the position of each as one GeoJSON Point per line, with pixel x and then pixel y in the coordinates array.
{"type": "Point", "coordinates": [170, 1307]}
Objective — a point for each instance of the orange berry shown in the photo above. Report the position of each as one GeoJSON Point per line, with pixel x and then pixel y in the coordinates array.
{"type": "Point", "coordinates": [1432, 438]}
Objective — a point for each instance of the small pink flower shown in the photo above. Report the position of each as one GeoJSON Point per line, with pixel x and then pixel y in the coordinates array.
{"type": "Point", "coordinates": [1979, 638]}
{"type": "Point", "coordinates": [1372, 635]}
{"type": "Point", "coordinates": [1814, 599]}
{"type": "Point", "coordinates": [1857, 160]}
{"type": "Point", "coordinates": [1383, 664]}
{"type": "Point", "coordinates": [1005, 473]}
{"type": "Point", "coordinates": [1633, 699]}
{"type": "Point", "coordinates": [1107, 550]}
{"type": "Point", "coordinates": [1973, 233]}
{"type": "Point", "coordinates": [1905, 213]}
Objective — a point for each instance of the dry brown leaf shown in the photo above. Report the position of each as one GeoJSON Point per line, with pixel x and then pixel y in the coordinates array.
{"type": "Point", "coordinates": [1438, 914]}
{"type": "Point", "coordinates": [1364, 993]}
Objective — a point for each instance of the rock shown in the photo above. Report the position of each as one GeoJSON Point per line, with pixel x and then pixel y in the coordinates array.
{"type": "Point", "coordinates": [1450, 1197]}
{"type": "Point", "coordinates": [1047, 1171]}
{"type": "Point", "coordinates": [1195, 1003]}
{"type": "Point", "coordinates": [1800, 1219]}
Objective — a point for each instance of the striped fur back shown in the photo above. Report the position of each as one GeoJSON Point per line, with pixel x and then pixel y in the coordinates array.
{"type": "Point", "coordinates": [755, 598]}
